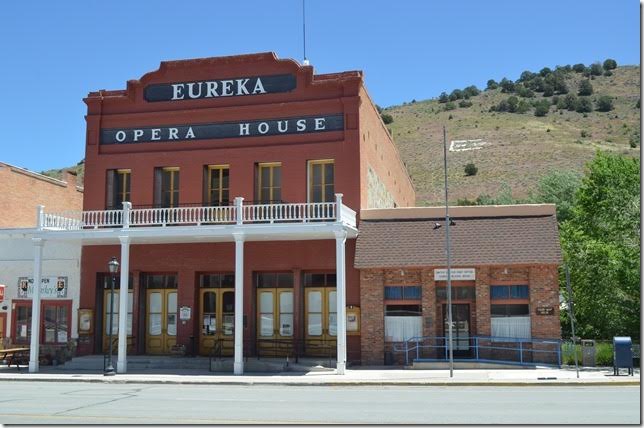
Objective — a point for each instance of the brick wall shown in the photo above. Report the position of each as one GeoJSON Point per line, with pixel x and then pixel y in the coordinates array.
{"type": "Point", "coordinates": [544, 292]}
{"type": "Point", "coordinates": [372, 319]}
{"type": "Point", "coordinates": [22, 191]}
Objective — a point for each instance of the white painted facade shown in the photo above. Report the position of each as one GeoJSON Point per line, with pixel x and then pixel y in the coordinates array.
{"type": "Point", "coordinates": [59, 259]}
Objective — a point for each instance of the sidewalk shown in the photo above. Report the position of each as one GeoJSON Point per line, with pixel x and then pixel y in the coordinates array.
{"type": "Point", "coordinates": [360, 376]}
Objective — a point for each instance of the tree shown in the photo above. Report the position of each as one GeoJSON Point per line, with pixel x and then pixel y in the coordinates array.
{"type": "Point", "coordinates": [503, 106]}
{"type": "Point", "coordinates": [450, 106]}
{"type": "Point", "coordinates": [387, 118]}
{"type": "Point", "coordinates": [541, 108]}
{"type": "Point", "coordinates": [601, 247]}
{"type": "Point", "coordinates": [548, 90]}
{"type": "Point", "coordinates": [513, 103]}
{"type": "Point", "coordinates": [536, 84]}
{"type": "Point", "coordinates": [604, 103]}
{"type": "Point", "coordinates": [584, 105]}
{"type": "Point", "coordinates": [570, 102]}
{"type": "Point", "coordinates": [523, 107]}
{"type": "Point", "coordinates": [456, 94]}
{"type": "Point", "coordinates": [579, 68]}
{"type": "Point", "coordinates": [557, 187]}
{"type": "Point", "coordinates": [507, 85]}
{"type": "Point", "coordinates": [545, 71]}
{"type": "Point", "coordinates": [443, 97]}
{"type": "Point", "coordinates": [610, 64]}
{"type": "Point", "coordinates": [491, 84]}
{"type": "Point", "coordinates": [471, 169]}
{"type": "Point", "coordinates": [522, 91]}
{"type": "Point", "coordinates": [596, 69]}
{"type": "Point", "coordinates": [585, 88]}
{"type": "Point", "coordinates": [526, 76]}
{"type": "Point", "coordinates": [471, 91]}
{"type": "Point", "coordinates": [465, 103]}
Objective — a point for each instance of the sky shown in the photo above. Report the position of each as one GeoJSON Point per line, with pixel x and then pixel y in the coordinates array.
{"type": "Point", "coordinates": [52, 53]}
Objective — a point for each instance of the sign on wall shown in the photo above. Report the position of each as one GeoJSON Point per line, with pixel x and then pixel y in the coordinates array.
{"type": "Point", "coordinates": [232, 87]}
{"type": "Point", "coordinates": [459, 274]}
{"type": "Point", "coordinates": [545, 310]}
{"type": "Point", "coordinates": [207, 131]}
{"type": "Point", "coordinates": [2, 287]}
{"type": "Point", "coordinates": [51, 287]}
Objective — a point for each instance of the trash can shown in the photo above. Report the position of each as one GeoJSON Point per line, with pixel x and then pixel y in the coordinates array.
{"type": "Point", "coordinates": [622, 354]}
{"type": "Point", "coordinates": [588, 353]}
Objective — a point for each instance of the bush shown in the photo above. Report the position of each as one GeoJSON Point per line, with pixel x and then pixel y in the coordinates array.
{"type": "Point", "coordinates": [523, 92]}
{"type": "Point", "coordinates": [545, 71]}
{"type": "Point", "coordinates": [443, 97]}
{"type": "Point", "coordinates": [507, 85]}
{"type": "Point", "coordinates": [585, 88]}
{"type": "Point", "coordinates": [548, 90]}
{"type": "Point", "coordinates": [536, 84]}
{"type": "Point", "coordinates": [604, 103]}
{"type": "Point", "coordinates": [456, 94]}
{"type": "Point", "coordinates": [608, 73]}
{"type": "Point", "coordinates": [502, 106]}
{"type": "Point", "coordinates": [596, 69]}
{"type": "Point", "coordinates": [387, 118]}
{"type": "Point", "coordinates": [541, 108]}
{"type": "Point", "coordinates": [491, 84]}
{"type": "Point", "coordinates": [465, 103]}
{"type": "Point", "coordinates": [610, 64]}
{"type": "Point", "coordinates": [585, 134]}
{"type": "Point", "coordinates": [513, 103]}
{"type": "Point", "coordinates": [579, 68]}
{"type": "Point", "coordinates": [471, 91]}
{"type": "Point", "coordinates": [584, 105]}
{"type": "Point", "coordinates": [450, 106]}
{"type": "Point", "coordinates": [555, 100]}
{"type": "Point", "coordinates": [471, 169]}
{"type": "Point", "coordinates": [523, 107]}
{"type": "Point", "coordinates": [570, 102]}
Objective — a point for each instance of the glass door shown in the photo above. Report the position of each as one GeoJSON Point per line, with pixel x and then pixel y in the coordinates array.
{"type": "Point", "coordinates": [161, 322]}
{"type": "Point", "coordinates": [115, 320]}
{"type": "Point", "coordinates": [217, 320]}
{"type": "Point", "coordinates": [460, 329]}
{"type": "Point", "coordinates": [321, 321]}
{"type": "Point", "coordinates": [275, 321]}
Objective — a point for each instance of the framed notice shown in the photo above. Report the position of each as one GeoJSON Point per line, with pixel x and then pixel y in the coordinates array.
{"type": "Point", "coordinates": [353, 320]}
{"type": "Point", "coordinates": [85, 324]}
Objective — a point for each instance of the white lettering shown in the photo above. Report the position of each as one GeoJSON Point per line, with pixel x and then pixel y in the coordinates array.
{"type": "Point", "coordinates": [301, 125]}
{"type": "Point", "coordinates": [173, 133]}
{"type": "Point", "coordinates": [226, 88]}
{"type": "Point", "coordinates": [177, 91]}
{"type": "Point", "coordinates": [259, 88]}
{"type": "Point", "coordinates": [190, 133]}
{"type": "Point", "coordinates": [320, 123]}
{"type": "Point", "coordinates": [138, 133]}
{"type": "Point", "coordinates": [241, 87]}
{"type": "Point", "coordinates": [211, 89]}
{"type": "Point", "coordinates": [262, 128]}
{"type": "Point", "coordinates": [244, 129]}
{"type": "Point", "coordinates": [120, 136]}
{"type": "Point", "coordinates": [279, 125]}
{"type": "Point", "coordinates": [191, 92]}
{"type": "Point", "coordinates": [155, 134]}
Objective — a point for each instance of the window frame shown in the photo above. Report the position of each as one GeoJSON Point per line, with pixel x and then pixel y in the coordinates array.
{"type": "Point", "coordinates": [67, 303]}
{"type": "Point", "coordinates": [209, 189]}
{"type": "Point", "coordinates": [173, 192]}
{"type": "Point", "coordinates": [310, 184]}
{"type": "Point", "coordinates": [271, 166]}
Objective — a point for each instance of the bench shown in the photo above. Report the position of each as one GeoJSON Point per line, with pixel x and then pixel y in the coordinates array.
{"type": "Point", "coordinates": [15, 356]}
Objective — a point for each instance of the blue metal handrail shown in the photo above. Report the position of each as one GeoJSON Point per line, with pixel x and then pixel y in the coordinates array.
{"type": "Point", "coordinates": [478, 345]}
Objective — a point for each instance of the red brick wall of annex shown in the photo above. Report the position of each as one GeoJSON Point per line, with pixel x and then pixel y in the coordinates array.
{"type": "Point", "coordinates": [542, 280]}
{"type": "Point", "coordinates": [22, 191]}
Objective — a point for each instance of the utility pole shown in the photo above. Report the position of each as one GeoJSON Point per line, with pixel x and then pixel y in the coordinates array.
{"type": "Point", "coordinates": [571, 313]}
{"type": "Point", "coordinates": [449, 273]}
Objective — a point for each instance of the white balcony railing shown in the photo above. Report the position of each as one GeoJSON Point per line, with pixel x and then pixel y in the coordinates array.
{"type": "Point", "coordinates": [199, 216]}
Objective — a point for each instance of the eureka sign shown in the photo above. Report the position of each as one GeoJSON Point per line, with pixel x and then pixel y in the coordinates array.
{"type": "Point", "coordinates": [232, 87]}
{"type": "Point", "coordinates": [207, 131]}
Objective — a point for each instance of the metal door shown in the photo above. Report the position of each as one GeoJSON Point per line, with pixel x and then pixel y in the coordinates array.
{"type": "Point", "coordinates": [460, 328]}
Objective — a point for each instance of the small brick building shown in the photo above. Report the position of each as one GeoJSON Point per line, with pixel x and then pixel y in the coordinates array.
{"type": "Point", "coordinates": [504, 279]}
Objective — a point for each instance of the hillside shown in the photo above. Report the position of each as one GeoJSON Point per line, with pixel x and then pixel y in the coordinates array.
{"type": "Point", "coordinates": [520, 148]}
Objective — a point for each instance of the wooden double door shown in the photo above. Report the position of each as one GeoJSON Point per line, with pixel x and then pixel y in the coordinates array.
{"type": "Point", "coordinates": [217, 318]}
{"type": "Point", "coordinates": [320, 321]}
{"type": "Point", "coordinates": [161, 320]}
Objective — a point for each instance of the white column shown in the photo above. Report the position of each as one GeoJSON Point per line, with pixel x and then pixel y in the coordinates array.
{"type": "Point", "coordinates": [121, 366]}
{"type": "Point", "coordinates": [341, 290]}
{"type": "Point", "coordinates": [34, 350]}
{"type": "Point", "coordinates": [238, 366]}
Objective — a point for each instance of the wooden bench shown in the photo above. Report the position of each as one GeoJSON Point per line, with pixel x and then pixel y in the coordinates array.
{"type": "Point", "coordinates": [15, 356]}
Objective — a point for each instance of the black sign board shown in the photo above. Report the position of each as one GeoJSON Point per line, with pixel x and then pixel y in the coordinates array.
{"type": "Point", "coordinates": [207, 131]}
{"type": "Point", "coordinates": [545, 310]}
{"type": "Point", "coordinates": [233, 87]}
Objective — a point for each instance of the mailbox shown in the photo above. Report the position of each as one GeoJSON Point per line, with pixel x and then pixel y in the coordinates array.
{"type": "Point", "coordinates": [588, 353]}
{"type": "Point", "coordinates": [622, 354]}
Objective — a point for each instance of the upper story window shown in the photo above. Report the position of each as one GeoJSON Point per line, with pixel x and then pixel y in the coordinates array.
{"type": "Point", "coordinates": [321, 179]}
{"type": "Point", "coordinates": [216, 185]}
{"type": "Point", "coordinates": [166, 187]}
{"type": "Point", "coordinates": [499, 292]}
{"type": "Point", "coordinates": [269, 182]}
{"type": "Point", "coordinates": [118, 188]}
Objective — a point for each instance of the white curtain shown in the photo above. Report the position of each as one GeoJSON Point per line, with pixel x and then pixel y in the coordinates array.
{"type": "Point", "coordinates": [515, 327]}
{"type": "Point", "coordinates": [400, 329]}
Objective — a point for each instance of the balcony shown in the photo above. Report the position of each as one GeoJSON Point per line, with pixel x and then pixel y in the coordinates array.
{"type": "Point", "coordinates": [238, 217]}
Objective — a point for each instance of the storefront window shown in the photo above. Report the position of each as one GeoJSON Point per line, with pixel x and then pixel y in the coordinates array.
{"type": "Point", "coordinates": [510, 321]}
{"type": "Point", "coordinates": [403, 322]}
{"type": "Point", "coordinates": [56, 327]}
{"type": "Point", "coordinates": [22, 325]}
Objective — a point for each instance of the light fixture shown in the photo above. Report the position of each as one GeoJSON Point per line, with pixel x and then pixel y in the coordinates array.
{"type": "Point", "coordinates": [436, 226]}
{"type": "Point", "coordinates": [113, 265]}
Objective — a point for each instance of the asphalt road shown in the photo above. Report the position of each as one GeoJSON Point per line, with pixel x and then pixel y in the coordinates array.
{"type": "Point", "coordinates": [97, 403]}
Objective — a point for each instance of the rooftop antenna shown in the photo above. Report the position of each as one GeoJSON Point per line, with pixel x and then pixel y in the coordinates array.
{"type": "Point", "coordinates": [306, 61]}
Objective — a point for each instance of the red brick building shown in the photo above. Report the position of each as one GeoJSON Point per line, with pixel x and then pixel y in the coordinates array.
{"type": "Point", "coordinates": [233, 189]}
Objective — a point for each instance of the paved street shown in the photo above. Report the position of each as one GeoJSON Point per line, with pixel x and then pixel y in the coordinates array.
{"type": "Point", "coordinates": [89, 403]}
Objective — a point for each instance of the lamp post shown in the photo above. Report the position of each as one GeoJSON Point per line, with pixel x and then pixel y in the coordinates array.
{"type": "Point", "coordinates": [449, 273]}
{"type": "Point", "coordinates": [113, 267]}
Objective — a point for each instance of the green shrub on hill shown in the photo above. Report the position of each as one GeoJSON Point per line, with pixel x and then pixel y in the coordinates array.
{"type": "Point", "coordinates": [596, 69]}
{"type": "Point", "coordinates": [507, 85]}
{"type": "Point", "coordinates": [585, 88]}
{"type": "Point", "coordinates": [579, 68]}
{"type": "Point", "coordinates": [443, 97]}
{"type": "Point", "coordinates": [492, 84]}
{"type": "Point", "coordinates": [584, 105]}
{"type": "Point", "coordinates": [387, 118]}
{"type": "Point", "coordinates": [604, 103]}
{"type": "Point", "coordinates": [541, 108]}
{"type": "Point", "coordinates": [471, 169]}
{"type": "Point", "coordinates": [465, 103]}
{"type": "Point", "coordinates": [610, 64]}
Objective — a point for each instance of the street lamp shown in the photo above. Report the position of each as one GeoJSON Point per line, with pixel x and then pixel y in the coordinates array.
{"type": "Point", "coordinates": [448, 223]}
{"type": "Point", "coordinates": [113, 267]}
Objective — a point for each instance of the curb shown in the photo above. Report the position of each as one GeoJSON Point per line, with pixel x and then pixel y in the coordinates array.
{"type": "Point", "coordinates": [329, 383]}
